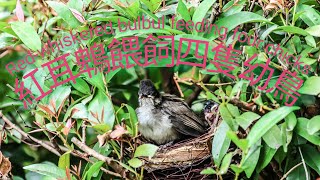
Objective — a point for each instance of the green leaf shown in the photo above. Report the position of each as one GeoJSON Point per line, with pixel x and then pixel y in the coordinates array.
{"type": "Point", "coordinates": [235, 20]}
{"type": "Point", "coordinates": [302, 130]}
{"type": "Point", "coordinates": [47, 169]}
{"type": "Point", "coordinates": [101, 109]}
{"type": "Point", "coordinates": [96, 80]}
{"type": "Point", "coordinates": [82, 86]}
{"type": "Point", "coordinates": [65, 13]}
{"type": "Point", "coordinates": [310, 16]}
{"type": "Point", "coordinates": [225, 163]}
{"type": "Point", "coordinates": [148, 150]}
{"type": "Point", "coordinates": [311, 156]}
{"type": "Point", "coordinates": [208, 171]}
{"type": "Point", "coordinates": [111, 74]}
{"type": "Point", "coordinates": [27, 34]}
{"type": "Point", "coordinates": [311, 86]}
{"type": "Point", "coordinates": [201, 12]}
{"type": "Point", "coordinates": [314, 125]}
{"type": "Point", "coordinates": [286, 136]}
{"type": "Point", "coordinates": [76, 4]}
{"type": "Point", "coordinates": [237, 88]}
{"type": "Point", "coordinates": [64, 161]}
{"type": "Point", "coordinates": [135, 162]}
{"type": "Point", "coordinates": [152, 5]}
{"type": "Point", "coordinates": [273, 138]}
{"type": "Point", "coordinates": [245, 119]}
{"type": "Point", "coordinates": [313, 30]}
{"type": "Point", "coordinates": [291, 121]}
{"type": "Point", "coordinates": [266, 156]}
{"type": "Point", "coordinates": [251, 159]}
{"type": "Point", "coordinates": [310, 41]}
{"type": "Point", "coordinates": [227, 116]}
{"type": "Point", "coordinates": [298, 173]}
{"type": "Point", "coordinates": [293, 30]}
{"type": "Point", "coordinates": [241, 143]}
{"type": "Point", "coordinates": [94, 169]}
{"type": "Point", "coordinates": [233, 7]}
{"type": "Point", "coordinates": [58, 96]}
{"type": "Point", "coordinates": [236, 168]}
{"type": "Point", "coordinates": [133, 9]}
{"type": "Point", "coordinates": [234, 110]}
{"type": "Point", "coordinates": [81, 111]}
{"type": "Point", "coordinates": [220, 143]}
{"type": "Point", "coordinates": [183, 11]}
{"type": "Point", "coordinates": [133, 120]}
{"type": "Point", "coordinates": [267, 122]}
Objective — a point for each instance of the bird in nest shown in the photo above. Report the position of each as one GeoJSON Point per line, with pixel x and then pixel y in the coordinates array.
{"type": "Point", "coordinates": [165, 118]}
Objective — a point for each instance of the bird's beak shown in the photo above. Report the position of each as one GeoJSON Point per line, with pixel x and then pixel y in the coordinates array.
{"type": "Point", "coordinates": [214, 108]}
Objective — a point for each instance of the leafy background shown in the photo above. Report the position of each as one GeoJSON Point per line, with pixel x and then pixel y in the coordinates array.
{"type": "Point", "coordinates": [258, 137]}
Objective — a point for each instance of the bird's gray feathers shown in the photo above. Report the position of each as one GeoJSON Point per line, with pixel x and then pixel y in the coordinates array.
{"type": "Point", "coordinates": [182, 117]}
{"type": "Point", "coordinates": [164, 118]}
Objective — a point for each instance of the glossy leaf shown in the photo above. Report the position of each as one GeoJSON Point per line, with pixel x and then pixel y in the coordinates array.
{"type": "Point", "coordinates": [81, 86]}
{"type": "Point", "coordinates": [241, 143]}
{"type": "Point", "coordinates": [314, 125]}
{"type": "Point", "coordinates": [47, 170]}
{"type": "Point", "coordinates": [273, 138]}
{"type": "Point", "coordinates": [245, 119]}
{"type": "Point", "coordinates": [27, 34]}
{"type": "Point", "coordinates": [311, 86]}
{"type": "Point", "coordinates": [183, 11]}
{"type": "Point", "coordinates": [94, 169]}
{"type": "Point", "coordinates": [251, 159]}
{"type": "Point", "coordinates": [65, 13]}
{"type": "Point", "coordinates": [208, 171]}
{"type": "Point", "coordinates": [101, 109]}
{"type": "Point", "coordinates": [135, 162]}
{"type": "Point", "coordinates": [225, 163]}
{"type": "Point", "coordinates": [64, 161]}
{"type": "Point", "coordinates": [201, 11]}
{"type": "Point", "coordinates": [227, 116]}
{"type": "Point", "coordinates": [267, 122]}
{"type": "Point", "coordinates": [220, 143]}
{"type": "Point", "coordinates": [146, 150]}
{"type": "Point", "coordinates": [291, 121]}
{"type": "Point", "coordinates": [302, 130]}
{"type": "Point", "coordinates": [58, 96]}
{"type": "Point", "coordinates": [266, 156]}
{"type": "Point", "coordinates": [133, 120]}
{"type": "Point", "coordinates": [235, 20]}
{"type": "Point", "coordinates": [311, 156]}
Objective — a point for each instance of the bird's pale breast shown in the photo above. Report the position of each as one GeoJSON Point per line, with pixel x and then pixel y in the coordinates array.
{"type": "Point", "coordinates": [155, 125]}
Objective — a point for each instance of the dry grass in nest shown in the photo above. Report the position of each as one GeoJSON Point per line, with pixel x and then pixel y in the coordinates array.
{"type": "Point", "coordinates": [184, 160]}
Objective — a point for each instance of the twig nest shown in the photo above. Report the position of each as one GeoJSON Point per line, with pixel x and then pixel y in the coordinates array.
{"type": "Point", "coordinates": [187, 153]}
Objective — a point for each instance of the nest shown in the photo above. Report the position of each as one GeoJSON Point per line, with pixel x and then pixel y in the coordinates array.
{"type": "Point", "coordinates": [184, 160]}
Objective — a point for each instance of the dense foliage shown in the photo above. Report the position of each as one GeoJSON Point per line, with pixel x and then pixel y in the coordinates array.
{"type": "Point", "coordinates": [88, 129]}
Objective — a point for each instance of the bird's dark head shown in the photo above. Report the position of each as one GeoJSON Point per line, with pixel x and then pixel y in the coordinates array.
{"type": "Point", "coordinates": [148, 90]}
{"type": "Point", "coordinates": [210, 111]}
{"type": "Point", "coordinates": [210, 106]}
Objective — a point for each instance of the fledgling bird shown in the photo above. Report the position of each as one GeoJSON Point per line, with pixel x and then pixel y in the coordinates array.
{"type": "Point", "coordinates": [164, 118]}
{"type": "Point", "coordinates": [210, 112]}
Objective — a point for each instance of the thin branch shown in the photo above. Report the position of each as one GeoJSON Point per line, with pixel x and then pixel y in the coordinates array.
{"type": "Point", "coordinates": [293, 168]}
{"type": "Point", "coordinates": [27, 136]}
{"type": "Point", "coordinates": [197, 90]}
{"type": "Point", "coordinates": [304, 164]}
{"type": "Point", "coordinates": [49, 146]}
{"type": "Point", "coordinates": [111, 162]}
{"type": "Point", "coordinates": [84, 157]}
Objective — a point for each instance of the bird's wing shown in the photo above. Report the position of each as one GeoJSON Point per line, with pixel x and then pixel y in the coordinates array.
{"type": "Point", "coordinates": [182, 117]}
